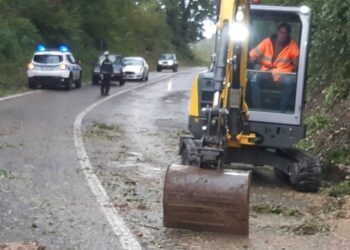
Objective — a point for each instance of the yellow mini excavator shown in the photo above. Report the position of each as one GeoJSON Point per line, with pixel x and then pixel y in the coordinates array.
{"type": "Point", "coordinates": [235, 116]}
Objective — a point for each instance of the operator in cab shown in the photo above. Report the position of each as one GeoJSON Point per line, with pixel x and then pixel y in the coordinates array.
{"type": "Point", "coordinates": [106, 73]}
{"type": "Point", "coordinates": [279, 55]}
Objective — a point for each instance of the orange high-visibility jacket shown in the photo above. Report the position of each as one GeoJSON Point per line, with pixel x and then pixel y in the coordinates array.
{"type": "Point", "coordinates": [283, 61]}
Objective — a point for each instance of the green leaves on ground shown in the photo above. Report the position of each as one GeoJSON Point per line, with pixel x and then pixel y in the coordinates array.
{"type": "Point", "coordinates": [311, 228]}
{"type": "Point", "coordinates": [103, 131]}
{"type": "Point", "coordinates": [267, 208]}
{"type": "Point", "coordinates": [5, 174]}
{"type": "Point", "coordinates": [339, 189]}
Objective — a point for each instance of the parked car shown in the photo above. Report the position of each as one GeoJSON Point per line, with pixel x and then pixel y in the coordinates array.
{"type": "Point", "coordinates": [54, 67]}
{"type": "Point", "coordinates": [167, 61]}
{"type": "Point", "coordinates": [136, 68]}
{"type": "Point", "coordinates": [118, 73]}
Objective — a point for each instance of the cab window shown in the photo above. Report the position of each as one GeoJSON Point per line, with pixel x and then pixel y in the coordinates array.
{"type": "Point", "coordinates": [273, 61]}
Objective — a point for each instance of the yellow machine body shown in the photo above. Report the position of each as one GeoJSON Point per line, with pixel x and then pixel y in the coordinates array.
{"type": "Point", "coordinates": [212, 199]}
{"type": "Point", "coordinates": [201, 194]}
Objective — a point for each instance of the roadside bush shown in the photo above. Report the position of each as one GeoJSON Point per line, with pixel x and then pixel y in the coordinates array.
{"type": "Point", "coordinates": [316, 122]}
{"type": "Point", "coordinates": [18, 38]}
{"type": "Point", "coordinates": [338, 190]}
{"type": "Point", "coordinates": [338, 156]}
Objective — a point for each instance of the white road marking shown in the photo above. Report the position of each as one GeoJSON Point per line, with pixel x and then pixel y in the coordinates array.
{"type": "Point", "coordinates": [170, 86]}
{"type": "Point", "coordinates": [126, 238]}
{"type": "Point", "coordinates": [18, 95]}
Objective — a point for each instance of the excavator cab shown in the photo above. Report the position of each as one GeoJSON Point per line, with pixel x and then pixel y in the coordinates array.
{"type": "Point", "coordinates": [236, 116]}
{"type": "Point", "coordinates": [264, 96]}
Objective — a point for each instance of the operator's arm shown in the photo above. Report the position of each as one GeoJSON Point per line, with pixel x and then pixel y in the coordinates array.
{"type": "Point", "coordinates": [258, 51]}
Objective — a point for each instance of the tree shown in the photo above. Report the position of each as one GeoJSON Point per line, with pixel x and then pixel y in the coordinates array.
{"type": "Point", "coordinates": [185, 17]}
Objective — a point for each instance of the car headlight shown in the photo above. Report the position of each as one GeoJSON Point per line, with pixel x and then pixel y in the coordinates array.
{"type": "Point", "coordinates": [63, 66]}
{"type": "Point", "coordinates": [31, 66]}
{"type": "Point", "coordinates": [170, 62]}
{"type": "Point", "coordinates": [159, 62]}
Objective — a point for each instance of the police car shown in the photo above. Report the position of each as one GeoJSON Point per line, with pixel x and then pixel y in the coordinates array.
{"type": "Point", "coordinates": [54, 67]}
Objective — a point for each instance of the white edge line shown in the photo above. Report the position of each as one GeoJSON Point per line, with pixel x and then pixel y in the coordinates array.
{"type": "Point", "coordinates": [18, 95]}
{"type": "Point", "coordinates": [126, 238]}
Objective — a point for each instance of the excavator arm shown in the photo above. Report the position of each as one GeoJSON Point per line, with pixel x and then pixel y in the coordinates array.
{"type": "Point", "coordinates": [200, 194]}
{"type": "Point", "coordinates": [230, 69]}
{"type": "Point", "coordinates": [226, 117]}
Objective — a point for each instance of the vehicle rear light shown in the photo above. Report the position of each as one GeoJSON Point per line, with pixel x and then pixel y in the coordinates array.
{"type": "Point", "coordinates": [31, 66]}
{"type": "Point", "coordinates": [63, 66]}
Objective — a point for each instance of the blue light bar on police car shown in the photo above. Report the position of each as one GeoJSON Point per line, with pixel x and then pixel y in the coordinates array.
{"type": "Point", "coordinates": [64, 48]}
{"type": "Point", "coordinates": [40, 48]}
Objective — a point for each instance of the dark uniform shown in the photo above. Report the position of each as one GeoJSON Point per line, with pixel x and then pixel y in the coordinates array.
{"type": "Point", "coordinates": [106, 71]}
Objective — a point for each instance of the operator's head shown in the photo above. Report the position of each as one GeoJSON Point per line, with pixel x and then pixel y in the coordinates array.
{"type": "Point", "coordinates": [106, 53]}
{"type": "Point", "coordinates": [283, 32]}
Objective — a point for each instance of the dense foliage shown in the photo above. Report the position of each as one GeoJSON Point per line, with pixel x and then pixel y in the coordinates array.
{"type": "Point", "coordinates": [145, 28]}
{"type": "Point", "coordinates": [328, 106]}
{"type": "Point", "coordinates": [186, 19]}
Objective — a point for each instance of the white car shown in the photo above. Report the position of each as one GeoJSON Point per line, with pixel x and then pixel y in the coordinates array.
{"type": "Point", "coordinates": [135, 68]}
{"type": "Point", "coordinates": [54, 67]}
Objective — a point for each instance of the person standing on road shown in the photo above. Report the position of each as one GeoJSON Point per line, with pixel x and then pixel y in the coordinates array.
{"type": "Point", "coordinates": [106, 73]}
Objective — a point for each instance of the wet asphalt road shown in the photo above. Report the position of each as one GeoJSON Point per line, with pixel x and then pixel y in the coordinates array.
{"type": "Point", "coordinates": [44, 196]}
{"type": "Point", "coordinates": [131, 139]}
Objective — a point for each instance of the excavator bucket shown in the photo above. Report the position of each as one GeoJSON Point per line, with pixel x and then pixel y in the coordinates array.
{"type": "Point", "coordinates": [206, 199]}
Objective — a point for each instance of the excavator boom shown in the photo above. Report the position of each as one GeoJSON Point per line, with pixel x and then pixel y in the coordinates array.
{"type": "Point", "coordinates": [199, 195]}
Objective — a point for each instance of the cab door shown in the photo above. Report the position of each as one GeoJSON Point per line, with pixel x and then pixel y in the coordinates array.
{"type": "Point", "coordinates": [264, 97]}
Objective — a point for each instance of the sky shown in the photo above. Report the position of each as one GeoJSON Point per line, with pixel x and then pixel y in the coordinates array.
{"type": "Point", "coordinates": [209, 28]}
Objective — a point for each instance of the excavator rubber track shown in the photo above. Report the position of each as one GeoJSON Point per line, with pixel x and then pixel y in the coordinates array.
{"type": "Point", "coordinates": [304, 172]}
{"type": "Point", "coordinates": [207, 199]}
